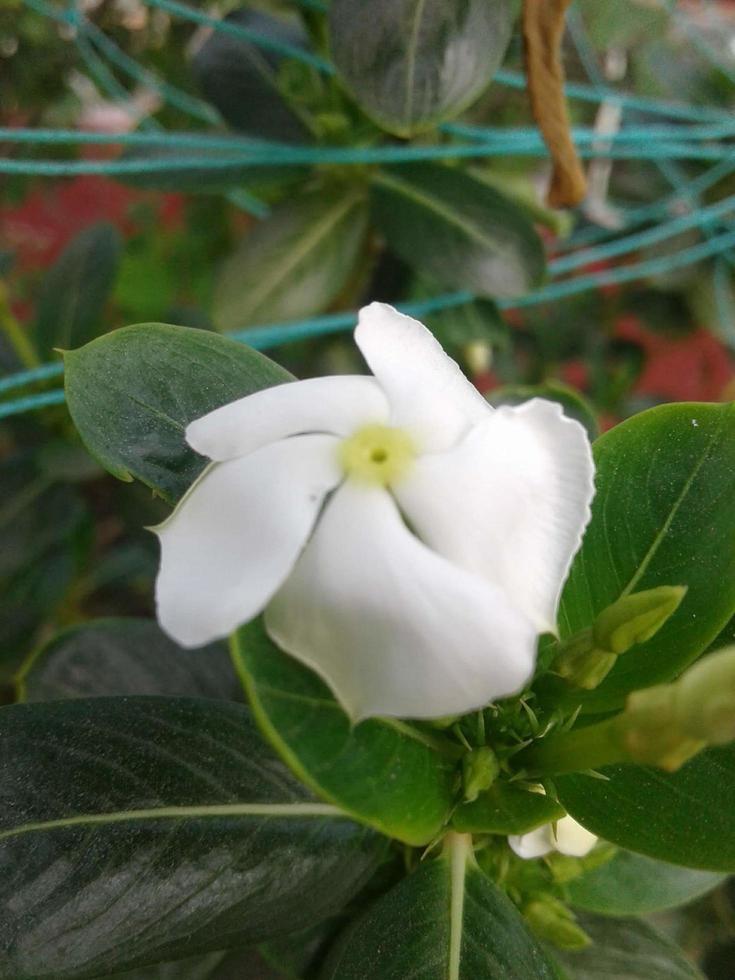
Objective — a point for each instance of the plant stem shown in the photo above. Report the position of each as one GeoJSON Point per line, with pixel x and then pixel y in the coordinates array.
{"type": "Point", "coordinates": [16, 334]}
{"type": "Point", "coordinates": [576, 751]}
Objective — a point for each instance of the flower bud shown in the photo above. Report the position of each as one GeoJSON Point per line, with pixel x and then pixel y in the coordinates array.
{"type": "Point", "coordinates": [650, 732]}
{"type": "Point", "coordinates": [587, 658]}
{"type": "Point", "coordinates": [705, 698]}
{"type": "Point", "coordinates": [480, 769]}
{"type": "Point", "coordinates": [551, 920]}
{"type": "Point", "coordinates": [666, 725]}
{"type": "Point", "coordinates": [636, 618]}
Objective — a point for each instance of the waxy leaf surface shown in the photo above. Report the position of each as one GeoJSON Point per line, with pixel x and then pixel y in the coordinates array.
{"type": "Point", "coordinates": [242, 80]}
{"type": "Point", "coordinates": [631, 884]}
{"type": "Point", "coordinates": [132, 393]}
{"type": "Point", "coordinates": [294, 263]}
{"type": "Point", "coordinates": [686, 817]}
{"type": "Point", "coordinates": [390, 774]}
{"type": "Point", "coordinates": [410, 64]}
{"type": "Point", "coordinates": [663, 514]}
{"type": "Point", "coordinates": [139, 830]}
{"type": "Point", "coordinates": [626, 948]}
{"type": "Point", "coordinates": [125, 656]}
{"type": "Point", "coordinates": [446, 921]}
{"type": "Point", "coordinates": [457, 230]}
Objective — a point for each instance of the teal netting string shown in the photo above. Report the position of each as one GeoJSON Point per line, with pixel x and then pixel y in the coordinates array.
{"type": "Point", "coordinates": [687, 133]}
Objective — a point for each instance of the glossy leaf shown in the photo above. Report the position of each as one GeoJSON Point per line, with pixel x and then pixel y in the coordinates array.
{"type": "Point", "coordinates": [294, 263]}
{"type": "Point", "coordinates": [446, 921]}
{"type": "Point", "coordinates": [76, 288]}
{"type": "Point", "coordinates": [125, 656]}
{"type": "Point", "coordinates": [686, 817]}
{"type": "Point", "coordinates": [139, 830]}
{"type": "Point", "coordinates": [410, 64]}
{"type": "Point", "coordinates": [506, 809]}
{"type": "Point", "coordinates": [626, 948]}
{"type": "Point", "coordinates": [631, 884]}
{"type": "Point", "coordinates": [242, 80]}
{"type": "Point", "coordinates": [225, 965]}
{"type": "Point", "coordinates": [132, 393]}
{"type": "Point", "coordinates": [387, 773]}
{"type": "Point", "coordinates": [457, 230]}
{"type": "Point", "coordinates": [663, 514]}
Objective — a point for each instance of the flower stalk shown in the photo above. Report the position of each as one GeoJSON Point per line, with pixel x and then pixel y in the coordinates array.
{"type": "Point", "coordinates": [588, 657]}
{"type": "Point", "coordinates": [661, 726]}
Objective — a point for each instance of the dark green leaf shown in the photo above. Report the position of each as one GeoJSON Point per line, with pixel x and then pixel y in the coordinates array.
{"type": "Point", "coordinates": [76, 288]}
{"type": "Point", "coordinates": [686, 817]}
{"type": "Point", "coordinates": [631, 884]}
{"type": "Point", "coordinates": [201, 168]}
{"type": "Point", "coordinates": [139, 830]}
{"type": "Point", "coordinates": [294, 263]}
{"type": "Point", "coordinates": [458, 230]}
{"type": "Point", "coordinates": [664, 514]}
{"type": "Point", "coordinates": [575, 406]}
{"type": "Point", "coordinates": [628, 949]}
{"type": "Point", "coordinates": [245, 965]}
{"type": "Point", "coordinates": [125, 656]}
{"type": "Point", "coordinates": [132, 393]}
{"type": "Point", "coordinates": [43, 529]}
{"type": "Point", "coordinates": [447, 921]}
{"type": "Point", "coordinates": [242, 80]}
{"type": "Point", "coordinates": [506, 809]}
{"type": "Point", "coordinates": [411, 64]}
{"type": "Point", "coordinates": [382, 771]}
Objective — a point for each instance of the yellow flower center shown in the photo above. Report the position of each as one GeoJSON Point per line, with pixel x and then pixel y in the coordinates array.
{"type": "Point", "coordinates": [377, 454]}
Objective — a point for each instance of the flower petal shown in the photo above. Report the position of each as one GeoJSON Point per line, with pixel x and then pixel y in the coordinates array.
{"type": "Point", "coordinates": [235, 536]}
{"type": "Point", "coordinates": [393, 628]}
{"type": "Point", "coordinates": [536, 843]}
{"type": "Point", "coordinates": [572, 839]}
{"type": "Point", "coordinates": [428, 394]}
{"type": "Point", "coordinates": [509, 503]}
{"type": "Point", "coordinates": [337, 405]}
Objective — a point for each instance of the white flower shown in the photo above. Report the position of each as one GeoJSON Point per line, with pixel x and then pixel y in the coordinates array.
{"type": "Point", "coordinates": [566, 836]}
{"type": "Point", "coordinates": [405, 540]}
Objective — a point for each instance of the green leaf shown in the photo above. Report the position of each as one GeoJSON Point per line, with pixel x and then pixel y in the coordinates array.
{"type": "Point", "coordinates": [626, 948]}
{"type": "Point", "coordinates": [410, 64]}
{"type": "Point", "coordinates": [506, 809]}
{"type": "Point", "coordinates": [446, 921]}
{"type": "Point", "coordinates": [631, 884]}
{"type": "Point", "coordinates": [44, 532]}
{"type": "Point", "coordinates": [200, 169]}
{"type": "Point", "coordinates": [125, 656]}
{"type": "Point", "coordinates": [225, 965]}
{"type": "Point", "coordinates": [686, 817]}
{"type": "Point", "coordinates": [385, 772]}
{"type": "Point", "coordinates": [663, 514]}
{"type": "Point", "coordinates": [132, 393]}
{"type": "Point", "coordinates": [76, 288]}
{"type": "Point", "coordinates": [457, 230]}
{"type": "Point", "coordinates": [575, 406]}
{"type": "Point", "coordinates": [242, 80]}
{"type": "Point", "coordinates": [139, 830]}
{"type": "Point", "coordinates": [294, 263]}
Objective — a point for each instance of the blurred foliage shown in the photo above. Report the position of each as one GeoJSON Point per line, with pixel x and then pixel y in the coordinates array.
{"type": "Point", "coordinates": [87, 255]}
